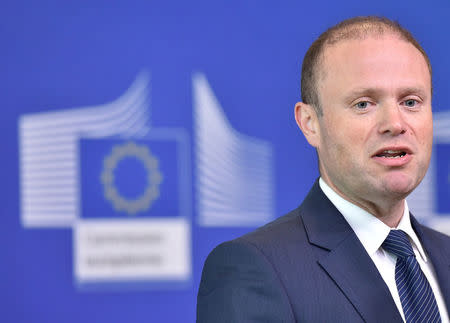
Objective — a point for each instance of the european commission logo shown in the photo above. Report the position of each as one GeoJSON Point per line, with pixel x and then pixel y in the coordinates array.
{"type": "Point", "coordinates": [124, 186]}
{"type": "Point", "coordinates": [134, 157]}
{"type": "Point", "coordinates": [134, 223]}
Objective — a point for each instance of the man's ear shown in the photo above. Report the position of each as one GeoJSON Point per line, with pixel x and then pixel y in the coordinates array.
{"type": "Point", "coordinates": [308, 122]}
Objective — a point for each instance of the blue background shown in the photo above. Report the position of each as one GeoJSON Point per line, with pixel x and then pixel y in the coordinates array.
{"type": "Point", "coordinates": [65, 54]}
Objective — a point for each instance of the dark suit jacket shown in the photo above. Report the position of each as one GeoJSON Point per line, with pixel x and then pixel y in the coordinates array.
{"type": "Point", "coordinates": [306, 266]}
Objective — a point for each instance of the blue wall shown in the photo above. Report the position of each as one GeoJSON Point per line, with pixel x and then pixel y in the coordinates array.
{"type": "Point", "coordinates": [62, 55]}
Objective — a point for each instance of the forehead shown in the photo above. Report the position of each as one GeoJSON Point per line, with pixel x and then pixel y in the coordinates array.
{"type": "Point", "coordinates": [378, 60]}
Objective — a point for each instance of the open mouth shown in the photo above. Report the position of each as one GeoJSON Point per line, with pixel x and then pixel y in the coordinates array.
{"type": "Point", "coordinates": [392, 154]}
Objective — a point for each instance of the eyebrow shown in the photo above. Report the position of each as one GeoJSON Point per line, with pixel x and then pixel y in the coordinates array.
{"type": "Point", "coordinates": [361, 92]}
{"type": "Point", "coordinates": [373, 92]}
{"type": "Point", "coordinates": [413, 90]}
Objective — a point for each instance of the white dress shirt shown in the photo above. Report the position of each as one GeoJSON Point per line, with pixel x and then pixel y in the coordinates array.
{"type": "Point", "coordinates": [372, 232]}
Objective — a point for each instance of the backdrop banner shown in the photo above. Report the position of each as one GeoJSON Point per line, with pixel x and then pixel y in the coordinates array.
{"type": "Point", "coordinates": [137, 136]}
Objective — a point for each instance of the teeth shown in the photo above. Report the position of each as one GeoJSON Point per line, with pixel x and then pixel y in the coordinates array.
{"type": "Point", "coordinates": [392, 154]}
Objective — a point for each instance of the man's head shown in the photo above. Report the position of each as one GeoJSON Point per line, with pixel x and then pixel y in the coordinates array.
{"type": "Point", "coordinates": [353, 28]}
{"type": "Point", "coordinates": [373, 133]}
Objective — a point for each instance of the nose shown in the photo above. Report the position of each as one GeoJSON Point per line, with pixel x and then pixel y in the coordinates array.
{"type": "Point", "coordinates": [391, 120]}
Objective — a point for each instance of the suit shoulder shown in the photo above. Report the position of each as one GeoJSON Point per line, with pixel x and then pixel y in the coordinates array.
{"type": "Point", "coordinates": [237, 272]}
{"type": "Point", "coordinates": [280, 242]}
{"type": "Point", "coordinates": [280, 231]}
{"type": "Point", "coordinates": [252, 244]}
{"type": "Point", "coordinates": [234, 251]}
{"type": "Point", "coordinates": [260, 249]}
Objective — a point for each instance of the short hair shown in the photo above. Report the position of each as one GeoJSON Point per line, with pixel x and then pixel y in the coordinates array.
{"type": "Point", "coordinates": [353, 28]}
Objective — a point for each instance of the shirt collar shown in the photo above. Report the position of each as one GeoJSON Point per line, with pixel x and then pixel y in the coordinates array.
{"type": "Point", "coordinates": [369, 229]}
{"type": "Point", "coordinates": [405, 225]}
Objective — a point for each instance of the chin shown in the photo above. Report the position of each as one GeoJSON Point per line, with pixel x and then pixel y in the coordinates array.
{"type": "Point", "coordinates": [400, 187]}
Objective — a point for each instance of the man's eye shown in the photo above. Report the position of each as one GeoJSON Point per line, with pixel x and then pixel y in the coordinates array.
{"type": "Point", "coordinates": [411, 103]}
{"type": "Point", "coordinates": [362, 105]}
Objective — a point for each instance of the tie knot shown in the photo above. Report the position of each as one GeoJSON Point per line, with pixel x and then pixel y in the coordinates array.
{"type": "Point", "coordinates": [397, 243]}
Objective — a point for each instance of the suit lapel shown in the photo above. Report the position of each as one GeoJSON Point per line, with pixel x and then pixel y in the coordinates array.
{"type": "Point", "coordinates": [347, 262]}
{"type": "Point", "coordinates": [437, 248]}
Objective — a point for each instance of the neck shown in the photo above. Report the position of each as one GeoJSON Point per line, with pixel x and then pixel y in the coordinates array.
{"type": "Point", "coordinates": [387, 209]}
{"type": "Point", "coordinates": [389, 213]}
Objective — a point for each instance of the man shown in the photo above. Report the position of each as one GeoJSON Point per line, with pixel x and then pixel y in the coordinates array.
{"type": "Point", "coordinates": [351, 252]}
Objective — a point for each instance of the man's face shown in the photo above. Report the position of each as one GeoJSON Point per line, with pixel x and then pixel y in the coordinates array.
{"type": "Point", "coordinates": [375, 135]}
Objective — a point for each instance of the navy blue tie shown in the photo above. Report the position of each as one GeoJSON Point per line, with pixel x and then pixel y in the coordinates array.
{"type": "Point", "coordinates": [416, 295]}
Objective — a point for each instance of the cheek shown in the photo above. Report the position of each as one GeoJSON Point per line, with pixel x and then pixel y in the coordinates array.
{"type": "Point", "coordinates": [343, 151]}
{"type": "Point", "coordinates": [343, 141]}
{"type": "Point", "coordinates": [428, 134]}
{"type": "Point", "coordinates": [424, 136]}
{"type": "Point", "coordinates": [351, 140]}
{"type": "Point", "coordinates": [422, 127]}
{"type": "Point", "coordinates": [426, 142]}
